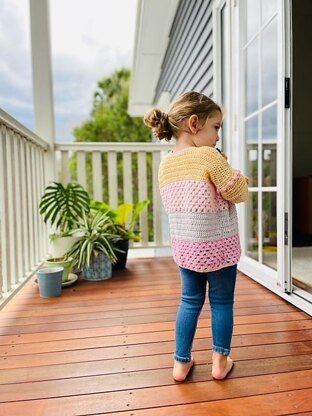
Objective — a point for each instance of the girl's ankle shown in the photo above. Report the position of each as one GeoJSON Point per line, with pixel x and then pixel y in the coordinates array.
{"type": "Point", "coordinates": [219, 358]}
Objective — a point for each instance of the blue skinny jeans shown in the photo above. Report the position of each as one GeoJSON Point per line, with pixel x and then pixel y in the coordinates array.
{"type": "Point", "coordinates": [221, 298]}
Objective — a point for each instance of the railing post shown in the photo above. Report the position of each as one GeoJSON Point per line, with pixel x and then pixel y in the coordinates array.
{"type": "Point", "coordinates": [156, 201]}
{"type": "Point", "coordinates": [42, 80]}
{"type": "Point", "coordinates": [112, 179]}
{"type": "Point", "coordinates": [142, 184]}
{"type": "Point", "coordinates": [5, 247]}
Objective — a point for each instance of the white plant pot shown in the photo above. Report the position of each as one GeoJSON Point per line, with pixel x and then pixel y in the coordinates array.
{"type": "Point", "coordinates": [61, 245]}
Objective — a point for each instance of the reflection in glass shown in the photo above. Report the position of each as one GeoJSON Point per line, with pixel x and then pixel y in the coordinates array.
{"type": "Point", "coordinates": [253, 17]}
{"type": "Point", "coordinates": [269, 139]}
{"type": "Point", "coordinates": [252, 79]}
{"type": "Point", "coordinates": [269, 63]}
{"type": "Point", "coordinates": [269, 232]}
{"type": "Point", "coordinates": [252, 164]}
{"type": "Point", "coordinates": [251, 134]}
{"type": "Point", "coordinates": [269, 164]}
{"type": "Point", "coordinates": [269, 124]}
{"type": "Point", "coordinates": [268, 8]}
{"type": "Point", "coordinates": [252, 226]}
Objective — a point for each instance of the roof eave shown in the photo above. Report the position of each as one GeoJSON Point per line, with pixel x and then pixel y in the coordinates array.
{"type": "Point", "coordinates": [154, 19]}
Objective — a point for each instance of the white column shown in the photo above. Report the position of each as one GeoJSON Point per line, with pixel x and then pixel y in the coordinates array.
{"type": "Point", "coordinates": [42, 80]}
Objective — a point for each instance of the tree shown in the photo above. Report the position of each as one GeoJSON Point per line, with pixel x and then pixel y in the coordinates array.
{"type": "Point", "coordinates": [109, 120]}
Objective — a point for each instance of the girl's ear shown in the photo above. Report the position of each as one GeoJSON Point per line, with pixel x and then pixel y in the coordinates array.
{"type": "Point", "coordinates": [193, 123]}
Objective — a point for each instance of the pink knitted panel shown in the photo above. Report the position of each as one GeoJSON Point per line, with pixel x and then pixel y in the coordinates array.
{"type": "Point", "coordinates": [192, 196]}
{"type": "Point", "coordinates": [207, 257]}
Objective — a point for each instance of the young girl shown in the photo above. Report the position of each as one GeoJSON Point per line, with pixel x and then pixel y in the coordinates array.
{"type": "Point", "coordinates": [199, 189]}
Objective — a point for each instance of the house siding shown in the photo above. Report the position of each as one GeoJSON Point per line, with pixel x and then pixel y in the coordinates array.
{"type": "Point", "coordinates": [188, 62]}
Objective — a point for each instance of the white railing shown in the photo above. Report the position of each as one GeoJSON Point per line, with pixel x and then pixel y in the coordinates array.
{"type": "Point", "coordinates": [111, 172]}
{"type": "Point", "coordinates": [22, 180]}
{"type": "Point", "coordinates": [124, 172]}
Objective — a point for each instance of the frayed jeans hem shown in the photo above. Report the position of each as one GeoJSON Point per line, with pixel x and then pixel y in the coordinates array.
{"type": "Point", "coordinates": [221, 350]}
{"type": "Point", "coordinates": [183, 360]}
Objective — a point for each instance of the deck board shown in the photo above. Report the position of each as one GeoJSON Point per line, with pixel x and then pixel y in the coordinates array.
{"type": "Point", "coordinates": [106, 348]}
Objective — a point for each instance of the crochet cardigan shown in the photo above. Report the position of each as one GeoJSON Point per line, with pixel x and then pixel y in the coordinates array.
{"type": "Point", "coordinates": [199, 189]}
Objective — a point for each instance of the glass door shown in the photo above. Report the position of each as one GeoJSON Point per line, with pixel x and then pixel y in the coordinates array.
{"type": "Point", "coordinates": [263, 138]}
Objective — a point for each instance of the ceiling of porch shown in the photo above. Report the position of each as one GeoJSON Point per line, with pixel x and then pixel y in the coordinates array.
{"type": "Point", "coordinates": [153, 23]}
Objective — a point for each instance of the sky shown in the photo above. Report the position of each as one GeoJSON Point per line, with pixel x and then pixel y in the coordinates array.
{"type": "Point", "coordinates": [89, 40]}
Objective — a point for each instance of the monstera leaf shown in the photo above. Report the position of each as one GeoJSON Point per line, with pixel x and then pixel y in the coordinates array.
{"type": "Point", "coordinates": [64, 207]}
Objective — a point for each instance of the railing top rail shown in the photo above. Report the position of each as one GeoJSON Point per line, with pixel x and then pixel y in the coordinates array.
{"type": "Point", "coordinates": [13, 124]}
{"type": "Point", "coordinates": [113, 147]}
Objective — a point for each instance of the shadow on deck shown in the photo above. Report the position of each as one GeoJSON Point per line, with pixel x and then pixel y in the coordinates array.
{"type": "Point", "coordinates": [106, 348]}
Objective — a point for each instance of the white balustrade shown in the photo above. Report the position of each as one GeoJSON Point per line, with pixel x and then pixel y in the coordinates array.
{"type": "Point", "coordinates": [24, 169]}
{"type": "Point", "coordinates": [22, 181]}
{"type": "Point", "coordinates": [135, 181]}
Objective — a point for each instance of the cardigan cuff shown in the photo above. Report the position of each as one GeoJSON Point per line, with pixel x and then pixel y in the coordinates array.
{"type": "Point", "coordinates": [236, 176]}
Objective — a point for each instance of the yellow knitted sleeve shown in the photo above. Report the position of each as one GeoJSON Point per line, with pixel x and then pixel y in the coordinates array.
{"type": "Point", "coordinates": [229, 182]}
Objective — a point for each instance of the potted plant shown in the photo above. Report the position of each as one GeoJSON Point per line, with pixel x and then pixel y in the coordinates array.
{"type": "Point", "coordinates": [125, 219]}
{"type": "Point", "coordinates": [95, 250]}
{"type": "Point", "coordinates": [62, 208]}
{"type": "Point", "coordinates": [65, 262]}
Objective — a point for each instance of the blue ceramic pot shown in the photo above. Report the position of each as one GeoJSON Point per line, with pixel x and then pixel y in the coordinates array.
{"type": "Point", "coordinates": [100, 268]}
{"type": "Point", "coordinates": [50, 281]}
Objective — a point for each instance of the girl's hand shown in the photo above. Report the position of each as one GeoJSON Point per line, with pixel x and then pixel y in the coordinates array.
{"type": "Point", "coordinates": [222, 154]}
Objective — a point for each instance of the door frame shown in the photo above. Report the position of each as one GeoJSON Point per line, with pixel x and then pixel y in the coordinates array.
{"type": "Point", "coordinates": [218, 42]}
{"type": "Point", "coordinates": [280, 281]}
{"type": "Point", "coordinates": [287, 172]}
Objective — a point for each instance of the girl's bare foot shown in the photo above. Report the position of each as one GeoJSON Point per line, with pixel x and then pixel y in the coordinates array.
{"type": "Point", "coordinates": [181, 370]}
{"type": "Point", "coordinates": [221, 366]}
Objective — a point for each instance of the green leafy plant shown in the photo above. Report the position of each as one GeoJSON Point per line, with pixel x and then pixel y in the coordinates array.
{"type": "Point", "coordinates": [97, 237]}
{"type": "Point", "coordinates": [64, 207]}
{"type": "Point", "coordinates": [125, 217]}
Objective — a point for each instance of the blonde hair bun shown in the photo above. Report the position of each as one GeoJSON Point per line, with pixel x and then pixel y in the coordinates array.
{"type": "Point", "coordinates": [158, 121]}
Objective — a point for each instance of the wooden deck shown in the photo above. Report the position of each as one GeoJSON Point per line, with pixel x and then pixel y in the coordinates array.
{"type": "Point", "coordinates": [106, 348]}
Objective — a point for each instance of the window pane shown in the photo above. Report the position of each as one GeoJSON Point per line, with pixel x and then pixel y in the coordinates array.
{"type": "Point", "coordinates": [269, 63]}
{"type": "Point", "coordinates": [269, 135]}
{"type": "Point", "coordinates": [269, 165]}
{"type": "Point", "coordinates": [252, 80]}
{"type": "Point", "coordinates": [268, 8]}
{"type": "Point", "coordinates": [253, 17]}
{"type": "Point", "coordinates": [269, 124]}
{"type": "Point", "coordinates": [251, 134]}
{"type": "Point", "coordinates": [269, 229]}
{"type": "Point", "coordinates": [252, 226]}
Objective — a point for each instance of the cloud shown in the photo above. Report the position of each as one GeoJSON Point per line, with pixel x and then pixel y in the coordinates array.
{"type": "Point", "coordinates": [15, 64]}
{"type": "Point", "coordinates": [98, 40]}
{"type": "Point", "coordinates": [89, 40]}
